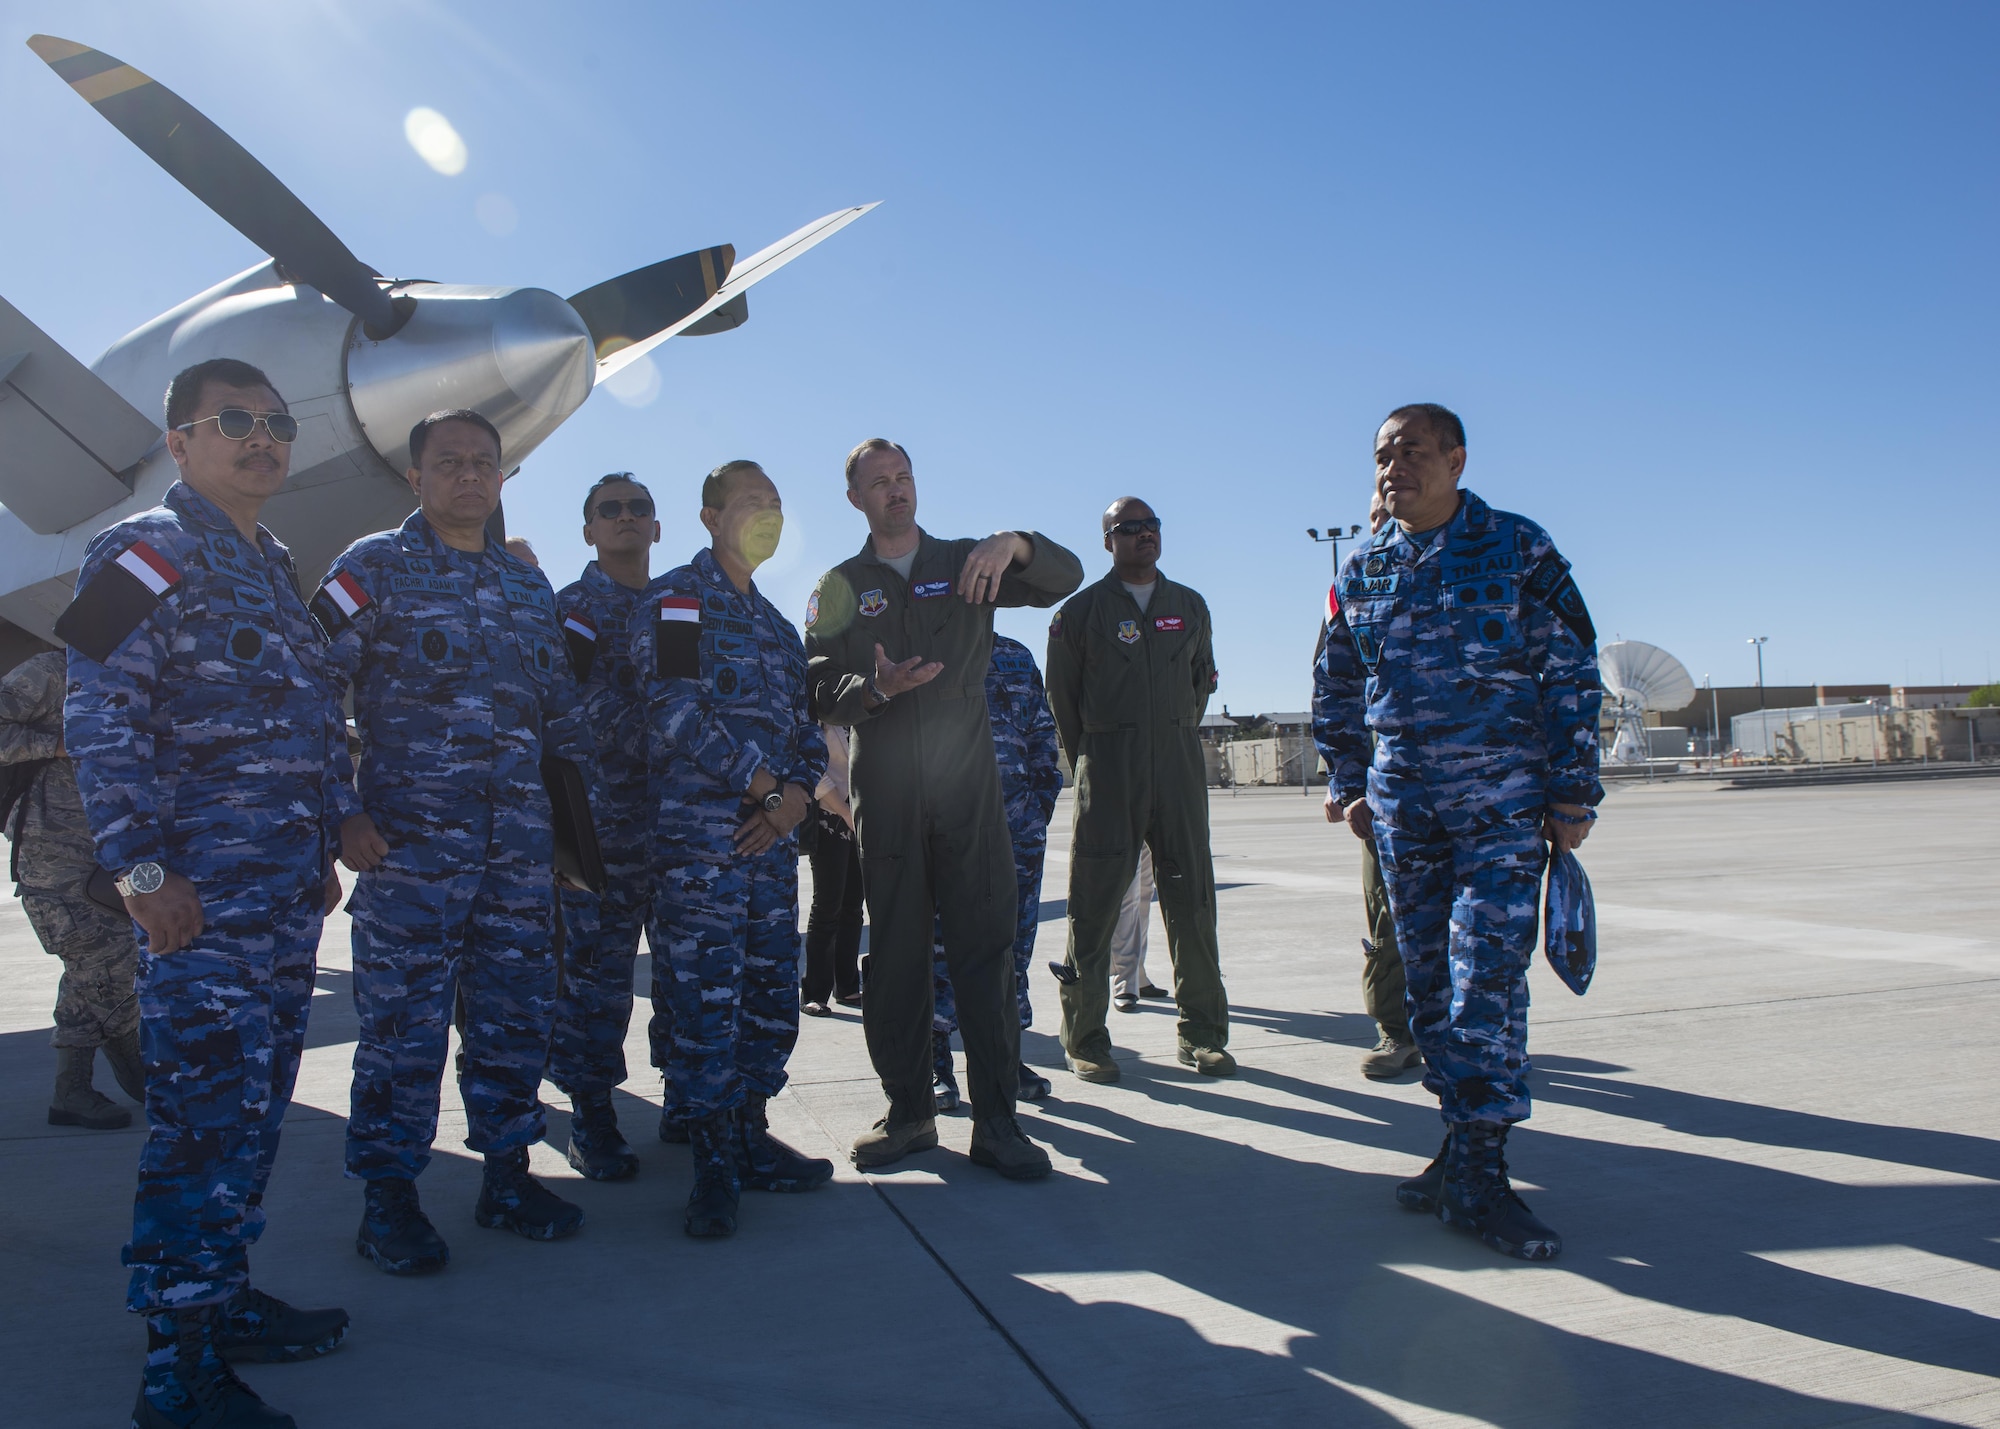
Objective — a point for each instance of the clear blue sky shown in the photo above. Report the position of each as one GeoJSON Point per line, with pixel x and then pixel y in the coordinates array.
{"type": "Point", "coordinates": [1713, 286]}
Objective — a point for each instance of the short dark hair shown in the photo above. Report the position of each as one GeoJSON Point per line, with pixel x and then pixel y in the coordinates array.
{"type": "Point", "coordinates": [420, 434]}
{"type": "Point", "coordinates": [1445, 428]}
{"type": "Point", "coordinates": [184, 392]}
{"type": "Point", "coordinates": [610, 478]}
{"type": "Point", "coordinates": [715, 486]}
{"type": "Point", "coordinates": [873, 444]}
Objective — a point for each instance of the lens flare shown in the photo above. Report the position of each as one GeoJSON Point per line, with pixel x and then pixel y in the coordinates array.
{"type": "Point", "coordinates": [435, 141]}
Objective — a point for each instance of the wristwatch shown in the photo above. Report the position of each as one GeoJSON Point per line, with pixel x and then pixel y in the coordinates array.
{"type": "Point", "coordinates": [775, 800]}
{"type": "Point", "coordinates": [142, 878]}
{"type": "Point", "coordinates": [875, 693]}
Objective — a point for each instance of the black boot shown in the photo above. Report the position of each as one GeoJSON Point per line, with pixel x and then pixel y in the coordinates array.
{"type": "Point", "coordinates": [944, 1081]}
{"type": "Point", "coordinates": [121, 1053]}
{"type": "Point", "coordinates": [77, 1102]}
{"type": "Point", "coordinates": [595, 1146]}
{"type": "Point", "coordinates": [187, 1383]}
{"type": "Point", "coordinates": [510, 1199]}
{"type": "Point", "coordinates": [711, 1206]}
{"type": "Point", "coordinates": [765, 1163]}
{"type": "Point", "coordinates": [257, 1326]}
{"type": "Point", "coordinates": [1478, 1198]}
{"type": "Point", "coordinates": [395, 1232]}
{"type": "Point", "coordinates": [1420, 1192]}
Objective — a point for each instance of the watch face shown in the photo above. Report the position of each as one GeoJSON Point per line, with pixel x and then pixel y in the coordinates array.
{"type": "Point", "coordinates": [774, 800]}
{"type": "Point", "coordinates": [147, 878]}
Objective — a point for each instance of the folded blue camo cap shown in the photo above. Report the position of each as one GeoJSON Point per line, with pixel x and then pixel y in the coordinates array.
{"type": "Point", "coordinates": [1569, 923]}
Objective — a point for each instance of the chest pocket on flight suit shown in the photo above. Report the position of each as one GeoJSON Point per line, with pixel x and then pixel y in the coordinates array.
{"type": "Point", "coordinates": [431, 603]}
{"type": "Point", "coordinates": [1173, 649]}
{"type": "Point", "coordinates": [237, 636]}
{"type": "Point", "coordinates": [1117, 697]}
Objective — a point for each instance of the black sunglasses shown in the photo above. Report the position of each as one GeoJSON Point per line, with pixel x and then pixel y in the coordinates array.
{"type": "Point", "coordinates": [237, 425]}
{"type": "Point", "coordinates": [640, 506]}
{"type": "Point", "coordinates": [1133, 528]}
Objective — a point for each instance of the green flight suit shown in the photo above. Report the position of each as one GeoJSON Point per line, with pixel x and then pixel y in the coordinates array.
{"type": "Point", "coordinates": [1129, 688]}
{"type": "Point", "coordinates": [927, 808]}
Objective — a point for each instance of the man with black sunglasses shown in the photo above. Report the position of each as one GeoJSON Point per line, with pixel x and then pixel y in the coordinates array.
{"type": "Point", "coordinates": [594, 1007]}
{"type": "Point", "coordinates": [1131, 666]}
{"type": "Point", "coordinates": [201, 720]}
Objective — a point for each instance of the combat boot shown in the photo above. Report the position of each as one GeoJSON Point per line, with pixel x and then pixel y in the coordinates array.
{"type": "Point", "coordinates": [1209, 1061]}
{"type": "Point", "coordinates": [999, 1142]}
{"type": "Point", "coordinates": [511, 1199]}
{"type": "Point", "coordinates": [895, 1136]}
{"type": "Point", "coordinates": [712, 1203]}
{"type": "Point", "coordinates": [121, 1053]}
{"type": "Point", "coordinates": [944, 1081]}
{"type": "Point", "coordinates": [1420, 1192]}
{"type": "Point", "coordinates": [1477, 1197]}
{"type": "Point", "coordinates": [1102, 1070]}
{"type": "Point", "coordinates": [1030, 1085]}
{"type": "Point", "coordinates": [765, 1163]}
{"type": "Point", "coordinates": [257, 1326]}
{"type": "Point", "coordinates": [595, 1146]}
{"type": "Point", "coordinates": [77, 1102]}
{"type": "Point", "coordinates": [1391, 1057]}
{"type": "Point", "coordinates": [188, 1385]}
{"type": "Point", "coordinates": [395, 1232]}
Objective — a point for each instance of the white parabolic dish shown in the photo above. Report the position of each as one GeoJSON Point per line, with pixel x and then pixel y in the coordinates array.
{"type": "Point", "coordinates": [1644, 676]}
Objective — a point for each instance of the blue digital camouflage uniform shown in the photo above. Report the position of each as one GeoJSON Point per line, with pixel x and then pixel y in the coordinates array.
{"type": "Point", "coordinates": [460, 683]}
{"type": "Point", "coordinates": [726, 694]}
{"type": "Point", "coordinates": [204, 732]}
{"type": "Point", "coordinates": [1024, 742]}
{"type": "Point", "coordinates": [594, 1005]}
{"type": "Point", "coordinates": [1470, 654]}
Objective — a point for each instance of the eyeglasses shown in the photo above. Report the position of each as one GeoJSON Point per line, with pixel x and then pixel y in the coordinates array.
{"type": "Point", "coordinates": [641, 507]}
{"type": "Point", "coordinates": [237, 425]}
{"type": "Point", "coordinates": [1133, 528]}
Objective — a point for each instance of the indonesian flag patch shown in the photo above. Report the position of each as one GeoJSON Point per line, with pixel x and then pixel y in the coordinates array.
{"type": "Point", "coordinates": [1332, 602]}
{"type": "Point", "coordinates": [580, 635]}
{"type": "Point", "coordinates": [677, 638]}
{"type": "Point", "coordinates": [116, 600]}
{"type": "Point", "coordinates": [341, 597]}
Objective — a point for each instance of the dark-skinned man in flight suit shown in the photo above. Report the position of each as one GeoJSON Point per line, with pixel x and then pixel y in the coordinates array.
{"type": "Point", "coordinates": [899, 638]}
{"type": "Point", "coordinates": [1131, 666]}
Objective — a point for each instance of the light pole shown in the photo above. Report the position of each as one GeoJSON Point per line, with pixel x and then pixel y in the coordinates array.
{"type": "Point", "coordinates": [1334, 536]}
{"type": "Point", "coordinates": [1714, 715]}
{"type": "Point", "coordinates": [1764, 721]}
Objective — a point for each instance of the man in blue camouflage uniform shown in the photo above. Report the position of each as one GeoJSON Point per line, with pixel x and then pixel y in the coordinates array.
{"type": "Point", "coordinates": [601, 934]}
{"type": "Point", "coordinates": [204, 734]}
{"type": "Point", "coordinates": [735, 753]}
{"type": "Point", "coordinates": [461, 685]}
{"type": "Point", "coordinates": [1030, 759]}
{"type": "Point", "coordinates": [1462, 643]}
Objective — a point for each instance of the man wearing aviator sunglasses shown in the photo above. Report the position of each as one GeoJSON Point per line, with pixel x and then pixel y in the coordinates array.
{"type": "Point", "coordinates": [1131, 667]}
{"type": "Point", "coordinates": [205, 737]}
{"type": "Point", "coordinates": [594, 1007]}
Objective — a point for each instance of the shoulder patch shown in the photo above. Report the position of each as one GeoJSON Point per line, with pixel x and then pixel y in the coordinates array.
{"type": "Point", "coordinates": [1332, 602]}
{"type": "Point", "coordinates": [580, 635]}
{"type": "Point", "coordinates": [340, 598]}
{"type": "Point", "coordinates": [677, 637]}
{"type": "Point", "coordinates": [812, 607]}
{"type": "Point", "coordinates": [1055, 627]}
{"type": "Point", "coordinates": [117, 599]}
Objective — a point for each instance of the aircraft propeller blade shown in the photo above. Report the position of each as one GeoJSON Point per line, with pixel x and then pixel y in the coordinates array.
{"type": "Point", "coordinates": [725, 299]}
{"type": "Point", "coordinates": [632, 307]}
{"type": "Point", "coordinates": [222, 174]}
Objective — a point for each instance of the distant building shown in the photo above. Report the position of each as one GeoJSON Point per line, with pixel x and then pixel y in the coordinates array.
{"type": "Point", "coordinates": [1930, 697]}
{"type": "Point", "coordinates": [1852, 694]}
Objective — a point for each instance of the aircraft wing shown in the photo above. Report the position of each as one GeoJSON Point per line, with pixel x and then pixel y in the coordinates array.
{"type": "Point", "coordinates": [758, 266]}
{"type": "Point", "coordinates": [65, 437]}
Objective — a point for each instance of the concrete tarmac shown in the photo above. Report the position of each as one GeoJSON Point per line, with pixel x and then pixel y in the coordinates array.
{"type": "Point", "coordinates": [1767, 1136]}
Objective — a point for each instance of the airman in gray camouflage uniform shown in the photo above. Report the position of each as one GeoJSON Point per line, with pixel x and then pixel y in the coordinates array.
{"type": "Point", "coordinates": [51, 863]}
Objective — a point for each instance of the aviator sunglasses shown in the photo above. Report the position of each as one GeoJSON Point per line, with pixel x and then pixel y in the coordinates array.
{"type": "Point", "coordinates": [1133, 528]}
{"type": "Point", "coordinates": [237, 425]}
{"type": "Point", "coordinates": [641, 507]}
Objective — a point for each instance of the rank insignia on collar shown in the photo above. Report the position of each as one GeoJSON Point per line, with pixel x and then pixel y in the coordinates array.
{"type": "Point", "coordinates": [873, 602]}
{"type": "Point", "coordinates": [1128, 631]}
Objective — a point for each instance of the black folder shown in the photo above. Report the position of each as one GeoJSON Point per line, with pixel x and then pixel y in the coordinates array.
{"type": "Point", "coordinates": [579, 864]}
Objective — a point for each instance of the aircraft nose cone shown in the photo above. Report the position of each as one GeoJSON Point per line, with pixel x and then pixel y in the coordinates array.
{"type": "Point", "coordinates": [520, 357]}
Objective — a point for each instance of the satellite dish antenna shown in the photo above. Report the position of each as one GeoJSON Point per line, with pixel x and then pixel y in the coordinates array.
{"type": "Point", "coordinates": [1639, 677]}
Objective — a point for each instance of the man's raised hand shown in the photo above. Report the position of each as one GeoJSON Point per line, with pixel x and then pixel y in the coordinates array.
{"type": "Point", "coordinates": [987, 562]}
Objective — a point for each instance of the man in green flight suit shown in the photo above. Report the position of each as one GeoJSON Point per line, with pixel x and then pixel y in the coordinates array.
{"type": "Point", "coordinates": [1131, 666]}
{"type": "Point", "coordinates": [898, 639]}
